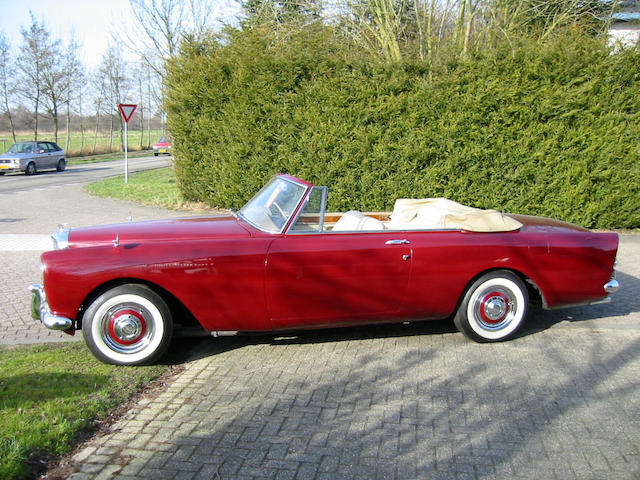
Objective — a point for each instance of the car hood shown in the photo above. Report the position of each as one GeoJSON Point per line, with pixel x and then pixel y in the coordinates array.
{"type": "Point", "coordinates": [16, 155]}
{"type": "Point", "coordinates": [181, 229]}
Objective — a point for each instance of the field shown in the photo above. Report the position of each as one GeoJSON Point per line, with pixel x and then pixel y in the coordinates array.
{"type": "Point", "coordinates": [84, 145]}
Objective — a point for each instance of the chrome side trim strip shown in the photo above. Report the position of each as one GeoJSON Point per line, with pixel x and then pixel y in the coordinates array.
{"type": "Point", "coordinates": [223, 333]}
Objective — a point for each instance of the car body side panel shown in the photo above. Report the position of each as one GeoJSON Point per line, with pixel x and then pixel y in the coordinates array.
{"type": "Point", "coordinates": [576, 267]}
{"type": "Point", "coordinates": [335, 278]}
{"type": "Point", "coordinates": [567, 266]}
{"type": "Point", "coordinates": [444, 262]}
{"type": "Point", "coordinates": [220, 281]}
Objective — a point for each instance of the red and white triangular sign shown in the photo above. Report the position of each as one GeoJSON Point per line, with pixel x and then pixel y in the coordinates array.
{"type": "Point", "coordinates": [126, 110]}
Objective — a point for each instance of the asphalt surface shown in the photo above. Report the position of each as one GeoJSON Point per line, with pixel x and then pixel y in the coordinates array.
{"type": "Point", "coordinates": [81, 173]}
{"type": "Point", "coordinates": [412, 401]}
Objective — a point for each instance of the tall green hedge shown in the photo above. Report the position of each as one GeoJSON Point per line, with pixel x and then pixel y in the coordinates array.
{"type": "Point", "coordinates": [549, 129]}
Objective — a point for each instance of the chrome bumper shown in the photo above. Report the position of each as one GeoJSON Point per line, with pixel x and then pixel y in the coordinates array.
{"type": "Point", "coordinates": [611, 286]}
{"type": "Point", "coordinates": [40, 310]}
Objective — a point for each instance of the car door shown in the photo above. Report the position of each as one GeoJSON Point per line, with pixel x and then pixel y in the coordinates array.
{"type": "Point", "coordinates": [54, 154]}
{"type": "Point", "coordinates": [324, 279]}
{"type": "Point", "coordinates": [43, 156]}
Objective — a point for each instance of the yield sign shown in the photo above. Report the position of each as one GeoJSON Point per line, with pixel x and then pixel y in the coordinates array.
{"type": "Point", "coordinates": [126, 110]}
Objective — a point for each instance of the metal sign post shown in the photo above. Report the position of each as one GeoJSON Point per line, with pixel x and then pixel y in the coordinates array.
{"type": "Point", "coordinates": [126, 110]}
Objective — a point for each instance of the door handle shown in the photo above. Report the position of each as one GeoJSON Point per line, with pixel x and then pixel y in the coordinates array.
{"type": "Point", "coordinates": [403, 241]}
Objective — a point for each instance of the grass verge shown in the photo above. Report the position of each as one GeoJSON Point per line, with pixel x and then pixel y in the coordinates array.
{"type": "Point", "coordinates": [49, 395]}
{"type": "Point", "coordinates": [151, 187]}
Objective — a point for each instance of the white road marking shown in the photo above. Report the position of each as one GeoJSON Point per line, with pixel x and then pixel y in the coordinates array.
{"type": "Point", "coordinates": [25, 242]}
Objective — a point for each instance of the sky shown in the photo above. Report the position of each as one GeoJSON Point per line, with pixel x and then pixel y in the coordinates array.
{"type": "Point", "coordinates": [91, 20]}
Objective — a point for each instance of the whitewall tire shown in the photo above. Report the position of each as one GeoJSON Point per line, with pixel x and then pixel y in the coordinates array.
{"type": "Point", "coordinates": [494, 307]}
{"type": "Point", "coordinates": [128, 325]}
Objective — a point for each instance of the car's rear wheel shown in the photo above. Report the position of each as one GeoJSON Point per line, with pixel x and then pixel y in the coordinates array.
{"type": "Point", "coordinates": [31, 169]}
{"type": "Point", "coordinates": [155, 154]}
{"type": "Point", "coordinates": [128, 325]}
{"type": "Point", "coordinates": [494, 307]}
{"type": "Point", "coordinates": [61, 165]}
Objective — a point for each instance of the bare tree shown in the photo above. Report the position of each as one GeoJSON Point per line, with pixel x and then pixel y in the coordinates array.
{"type": "Point", "coordinates": [7, 75]}
{"type": "Point", "coordinates": [100, 89]}
{"type": "Point", "coordinates": [112, 70]}
{"type": "Point", "coordinates": [376, 25]}
{"type": "Point", "coordinates": [274, 12]}
{"type": "Point", "coordinates": [54, 85]}
{"type": "Point", "coordinates": [74, 83]}
{"type": "Point", "coordinates": [152, 97]}
{"type": "Point", "coordinates": [33, 61]}
{"type": "Point", "coordinates": [163, 24]}
{"type": "Point", "coordinates": [160, 27]}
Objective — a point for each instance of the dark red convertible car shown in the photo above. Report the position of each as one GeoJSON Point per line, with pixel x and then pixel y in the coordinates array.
{"type": "Point", "coordinates": [282, 263]}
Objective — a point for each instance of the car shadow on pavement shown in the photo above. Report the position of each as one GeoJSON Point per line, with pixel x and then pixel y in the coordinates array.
{"type": "Point", "coordinates": [404, 406]}
{"type": "Point", "coordinates": [185, 349]}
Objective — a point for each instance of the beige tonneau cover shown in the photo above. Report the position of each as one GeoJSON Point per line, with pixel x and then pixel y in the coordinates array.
{"type": "Point", "coordinates": [438, 213]}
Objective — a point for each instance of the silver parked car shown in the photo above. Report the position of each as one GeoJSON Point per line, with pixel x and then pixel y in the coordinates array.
{"type": "Point", "coordinates": [31, 157]}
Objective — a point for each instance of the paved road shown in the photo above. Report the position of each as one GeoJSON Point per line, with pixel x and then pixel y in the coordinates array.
{"type": "Point", "coordinates": [396, 402]}
{"type": "Point", "coordinates": [78, 174]}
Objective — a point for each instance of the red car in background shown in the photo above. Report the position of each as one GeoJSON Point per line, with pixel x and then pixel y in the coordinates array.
{"type": "Point", "coordinates": [283, 263]}
{"type": "Point", "coordinates": [162, 146]}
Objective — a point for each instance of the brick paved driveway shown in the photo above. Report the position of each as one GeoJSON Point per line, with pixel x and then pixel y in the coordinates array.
{"type": "Point", "coordinates": [414, 402]}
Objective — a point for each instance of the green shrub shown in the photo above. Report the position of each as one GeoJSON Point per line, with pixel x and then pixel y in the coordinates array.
{"type": "Point", "coordinates": [547, 129]}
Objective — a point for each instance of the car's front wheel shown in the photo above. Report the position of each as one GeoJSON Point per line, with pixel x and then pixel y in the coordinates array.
{"type": "Point", "coordinates": [31, 169]}
{"type": "Point", "coordinates": [493, 308]}
{"type": "Point", "coordinates": [128, 325]}
{"type": "Point", "coordinates": [61, 165]}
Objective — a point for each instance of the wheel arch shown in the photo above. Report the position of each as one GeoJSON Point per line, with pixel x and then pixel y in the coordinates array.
{"type": "Point", "coordinates": [178, 309]}
{"type": "Point", "coordinates": [536, 296]}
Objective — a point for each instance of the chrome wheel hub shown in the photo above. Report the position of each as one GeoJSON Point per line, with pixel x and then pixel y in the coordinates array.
{"type": "Point", "coordinates": [126, 329]}
{"type": "Point", "coordinates": [495, 309]}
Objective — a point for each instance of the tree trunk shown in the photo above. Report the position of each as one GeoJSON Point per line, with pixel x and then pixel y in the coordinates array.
{"type": "Point", "coordinates": [68, 142]}
{"type": "Point", "coordinates": [111, 133]}
{"type": "Point", "coordinates": [141, 124]}
{"type": "Point", "coordinates": [55, 123]}
{"type": "Point", "coordinates": [95, 135]}
{"type": "Point", "coordinates": [81, 121]}
{"type": "Point", "coordinates": [35, 130]}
